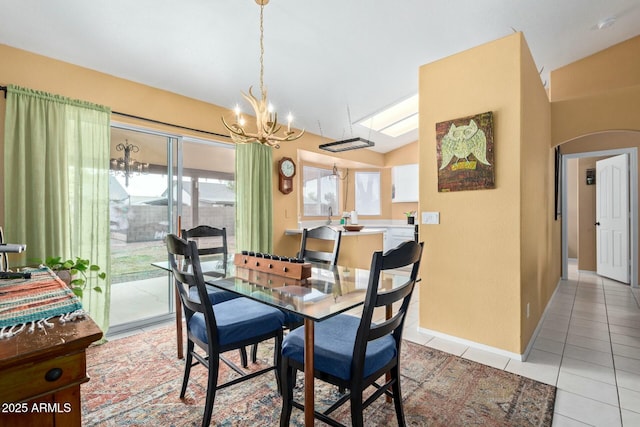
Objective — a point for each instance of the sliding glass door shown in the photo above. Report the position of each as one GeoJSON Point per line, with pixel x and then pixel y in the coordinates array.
{"type": "Point", "coordinates": [158, 180]}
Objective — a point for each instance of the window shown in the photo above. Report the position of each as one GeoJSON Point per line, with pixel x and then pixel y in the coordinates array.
{"type": "Point", "coordinates": [368, 193]}
{"type": "Point", "coordinates": [145, 210]}
{"type": "Point", "coordinates": [320, 191]}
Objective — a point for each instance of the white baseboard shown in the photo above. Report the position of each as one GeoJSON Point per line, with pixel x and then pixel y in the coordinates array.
{"type": "Point", "coordinates": [495, 350]}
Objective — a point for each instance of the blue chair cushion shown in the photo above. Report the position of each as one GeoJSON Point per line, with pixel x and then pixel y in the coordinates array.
{"type": "Point", "coordinates": [216, 295]}
{"type": "Point", "coordinates": [289, 318]}
{"type": "Point", "coordinates": [334, 341]}
{"type": "Point", "coordinates": [238, 319]}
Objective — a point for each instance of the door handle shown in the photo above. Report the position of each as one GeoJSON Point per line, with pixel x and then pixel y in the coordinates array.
{"type": "Point", "coordinates": [597, 223]}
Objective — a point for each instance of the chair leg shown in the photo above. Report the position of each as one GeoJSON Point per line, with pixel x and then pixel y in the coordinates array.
{"type": "Point", "coordinates": [243, 357]}
{"type": "Point", "coordinates": [254, 353]}
{"type": "Point", "coordinates": [356, 408]}
{"type": "Point", "coordinates": [277, 362]}
{"type": "Point", "coordinates": [187, 368]}
{"type": "Point", "coordinates": [397, 396]}
{"type": "Point", "coordinates": [212, 384]}
{"type": "Point", "coordinates": [288, 382]}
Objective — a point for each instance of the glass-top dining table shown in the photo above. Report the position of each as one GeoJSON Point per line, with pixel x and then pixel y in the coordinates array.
{"type": "Point", "coordinates": [329, 291]}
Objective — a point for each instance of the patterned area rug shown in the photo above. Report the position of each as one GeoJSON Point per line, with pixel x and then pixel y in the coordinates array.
{"type": "Point", "coordinates": [135, 381]}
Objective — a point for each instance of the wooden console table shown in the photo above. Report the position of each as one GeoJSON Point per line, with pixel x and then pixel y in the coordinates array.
{"type": "Point", "coordinates": [41, 373]}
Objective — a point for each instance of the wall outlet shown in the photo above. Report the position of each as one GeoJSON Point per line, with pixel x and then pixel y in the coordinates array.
{"type": "Point", "coordinates": [431, 217]}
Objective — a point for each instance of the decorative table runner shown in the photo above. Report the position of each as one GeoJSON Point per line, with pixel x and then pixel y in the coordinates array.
{"type": "Point", "coordinates": [30, 303]}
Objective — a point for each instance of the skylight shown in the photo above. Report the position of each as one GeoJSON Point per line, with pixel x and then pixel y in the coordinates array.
{"type": "Point", "coordinates": [396, 120]}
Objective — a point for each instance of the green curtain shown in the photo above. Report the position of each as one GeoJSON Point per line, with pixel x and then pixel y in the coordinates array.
{"type": "Point", "coordinates": [254, 198]}
{"type": "Point", "coordinates": [56, 186]}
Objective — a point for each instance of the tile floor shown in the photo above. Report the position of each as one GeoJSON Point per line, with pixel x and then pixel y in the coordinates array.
{"type": "Point", "coordinates": [588, 347]}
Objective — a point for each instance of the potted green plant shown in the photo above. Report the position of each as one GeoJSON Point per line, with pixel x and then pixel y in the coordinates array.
{"type": "Point", "coordinates": [75, 273]}
{"type": "Point", "coordinates": [411, 217]}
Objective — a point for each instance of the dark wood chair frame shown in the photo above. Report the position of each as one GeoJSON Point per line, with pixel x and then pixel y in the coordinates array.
{"type": "Point", "coordinates": [208, 231]}
{"type": "Point", "coordinates": [321, 233]}
{"type": "Point", "coordinates": [4, 260]}
{"type": "Point", "coordinates": [184, 279]}
{"type": "Point", "coordinates": [406, 254]}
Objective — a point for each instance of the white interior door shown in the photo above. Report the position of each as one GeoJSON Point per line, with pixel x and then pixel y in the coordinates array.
{"type": "Point", "coordinates": [612, 218]}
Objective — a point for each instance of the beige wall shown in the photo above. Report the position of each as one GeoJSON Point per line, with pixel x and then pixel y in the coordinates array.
{"type": "Point", "coordinates": [540, 232]}
{"type": "Point", "coordinates": [591, 95]}
{"type": "Point", "coordinates": [612, 68]}
{"type": "Point", "coordinates": [474, 285]}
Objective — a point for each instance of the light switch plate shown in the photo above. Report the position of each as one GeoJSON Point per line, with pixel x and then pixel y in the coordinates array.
{"type": "Point", "coordinates": [431, 217]}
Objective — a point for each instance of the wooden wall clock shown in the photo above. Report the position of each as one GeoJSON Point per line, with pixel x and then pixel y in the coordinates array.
{"type": "Point", "coordinates": [286, 171]}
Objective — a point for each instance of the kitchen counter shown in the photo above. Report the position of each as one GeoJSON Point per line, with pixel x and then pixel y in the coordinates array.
{"type": "Point", "coordinates": [365, 230]}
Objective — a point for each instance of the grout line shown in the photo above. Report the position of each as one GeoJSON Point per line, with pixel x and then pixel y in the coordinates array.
{"type": "Point", "coordinates": [613, 359]}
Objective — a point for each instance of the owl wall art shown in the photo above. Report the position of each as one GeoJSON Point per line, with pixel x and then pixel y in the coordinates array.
{"type": "Point", "coordinates": [465, 153]}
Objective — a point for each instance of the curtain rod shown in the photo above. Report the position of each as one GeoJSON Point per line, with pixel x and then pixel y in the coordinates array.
{"type": "Point", "coordinates": [170, 124]}
{"type": "Point", "coordinates": [131, 116]}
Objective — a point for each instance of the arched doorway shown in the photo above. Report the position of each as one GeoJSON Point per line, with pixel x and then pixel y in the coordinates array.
{"type": "Point", "coordinates": [604, 144]}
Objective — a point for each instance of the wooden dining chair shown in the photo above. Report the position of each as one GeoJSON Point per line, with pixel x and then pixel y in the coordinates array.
{"type": "Point", "coordinates": [217, 328]}
{"type": "Point", "coordinates": [355, 353]}
{"type": "Point", "coordinates": [212, 241]}
{"type": "Point", "coordinates": [322, 233]}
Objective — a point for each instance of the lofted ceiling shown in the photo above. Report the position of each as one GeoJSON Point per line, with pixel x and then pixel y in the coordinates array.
{"type": "Point", "coordinates": [330, 62]}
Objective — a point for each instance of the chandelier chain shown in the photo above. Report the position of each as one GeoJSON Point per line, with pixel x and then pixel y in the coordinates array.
{"type": "Point", "coordinates": [262, 51]}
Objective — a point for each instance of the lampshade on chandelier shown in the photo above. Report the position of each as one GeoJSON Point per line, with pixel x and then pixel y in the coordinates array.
{"type": "Point", "coordinates": [267, 125]}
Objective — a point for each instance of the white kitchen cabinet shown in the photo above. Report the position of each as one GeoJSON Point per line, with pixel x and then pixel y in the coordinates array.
{"type": "Point", "coordinates": [396, 235]}
{"type": "Point", "coordinates": [405, 180]}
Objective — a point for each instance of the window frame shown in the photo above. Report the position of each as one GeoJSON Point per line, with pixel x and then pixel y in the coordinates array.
{"type": "Point", "coordinates": [322, 173]}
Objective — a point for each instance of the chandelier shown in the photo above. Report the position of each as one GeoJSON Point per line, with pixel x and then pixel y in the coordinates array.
{"type": "Point", "coordinates": [267, 125]}
{"type": "Point", "coordinates": [128, 166]}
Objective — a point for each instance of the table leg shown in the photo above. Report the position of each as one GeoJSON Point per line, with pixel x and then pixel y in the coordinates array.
{"type": "Point", "coordinates": [389, 315]}
{"type": "Point", "coordinates": [309, 399]}
{"type": "Point", "coordinates": [178, 305]}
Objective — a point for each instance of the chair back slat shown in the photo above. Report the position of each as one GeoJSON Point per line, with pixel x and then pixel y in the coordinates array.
{"type": "Point", "coordinates": [205, 233]}
{"type": "Point", "coordinates": [319, 256]}
{"type": "Point", "coordinates": [320, 233]}
{"type": "Point", "coordinates": [398, 258]}
{"type": "Point", "coordinates": [397, 293]}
